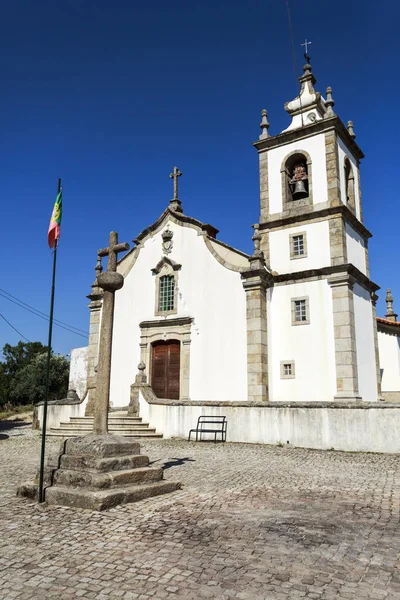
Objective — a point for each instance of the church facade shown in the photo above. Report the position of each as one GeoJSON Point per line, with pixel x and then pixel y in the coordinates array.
{"type": "Point", "coordinates": [294, 321]}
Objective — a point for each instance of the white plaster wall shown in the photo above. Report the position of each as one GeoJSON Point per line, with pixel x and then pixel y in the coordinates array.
{"type": "Point", "coordinates": [318, 249]}
{"type": "Point", "coordinates": [355, 249]}
{"type": "Point", "coordinates": [78, 370]}
{"type": "Point", "coordinates": [61, 413]}
{"type": "Point", "coordinates": [389, 356]}
{"type": "Point", "coordinates": [315, 146]}
{"type": "Point", "coordinates": [343, 152]}
{"type": "Point", "coordinates": [347, 429]}
{"type": "Point", "coordinates": [310, 346]}
{"type": "Point", "coordinates": [210, 293]}
{"type": "Point", "coordinates": [365, 345]}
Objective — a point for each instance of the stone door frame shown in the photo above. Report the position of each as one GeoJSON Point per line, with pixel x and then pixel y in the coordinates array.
{"type": "Point", "coordinates": [165, 330]}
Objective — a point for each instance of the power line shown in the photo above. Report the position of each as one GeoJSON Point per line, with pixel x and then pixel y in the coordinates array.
{"type": "Point", "coordinates": [296, 70]}
{"type": "Point", "coordinates": [12, 326]}
{"type": "Point", "coordinates": [41, 315]}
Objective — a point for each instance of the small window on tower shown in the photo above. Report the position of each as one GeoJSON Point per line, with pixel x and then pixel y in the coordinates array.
{"type": "Point", "coordinates": [298, 245]}
{"type": "Point", "coordinates": [287, 369]}
{"type": "Point", "coordinates": [300, 311]}
{"type": "Point", "coordinates": [166, 293]}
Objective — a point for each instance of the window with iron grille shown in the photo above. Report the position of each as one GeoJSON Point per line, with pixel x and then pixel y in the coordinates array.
{"type": "Point", "coordinates": [166, 293]}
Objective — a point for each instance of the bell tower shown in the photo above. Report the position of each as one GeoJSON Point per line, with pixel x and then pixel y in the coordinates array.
{"type": "Point", "coordinates": [321, 318]}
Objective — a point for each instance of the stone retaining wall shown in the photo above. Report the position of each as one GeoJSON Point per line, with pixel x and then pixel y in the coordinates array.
{"type": "Point", "coordinates": [358, 427]}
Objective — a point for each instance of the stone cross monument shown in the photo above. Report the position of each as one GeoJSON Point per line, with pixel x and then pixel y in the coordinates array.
{"type": "Point", "coordinates": [175, 203]}
{"type": "Point", "coordinates": [110, 281]}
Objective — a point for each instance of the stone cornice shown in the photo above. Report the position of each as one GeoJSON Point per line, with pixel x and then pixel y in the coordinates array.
{"type": "Point", "coordinates": [331, 123]}
{"type": "Point", "coordinates": [347, 270]}
{"type": "Point", "coordinates": [166, 322]}
{"type": "Point", "coordinates": [308, 213]}
{"type": "Point", "coordinates": [207, 228]}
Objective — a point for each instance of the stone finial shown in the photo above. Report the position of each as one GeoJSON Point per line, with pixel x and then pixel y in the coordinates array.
{"type": "Point", "coordinates": [257, 253]}
{"type": "Point", "coordinates": [390, 315]}
{"type": "Point", "coordinates": [99, 267]}
{"type": "Point", "coordinates": [264, 124]}
{"type": "Point", "coordinates": [351, 130]}
{"type": "Point", "coordinates": [141, 377]}
{"type": "Point", "coordinates": [329, 103]}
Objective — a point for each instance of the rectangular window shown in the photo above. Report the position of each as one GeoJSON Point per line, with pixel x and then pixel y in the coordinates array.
{"type": "Point", "coordinates": [167, 292]}
{"type": "Point", "coordinates": [287, 369]}
{"type": "Point", "coordinates": [298, 245]}
{"type": "Point", "coordinates": [300, 311]}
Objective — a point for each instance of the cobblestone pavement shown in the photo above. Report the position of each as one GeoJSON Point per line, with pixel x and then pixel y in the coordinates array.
{"type": "Point", "coordinates": [251, 522]}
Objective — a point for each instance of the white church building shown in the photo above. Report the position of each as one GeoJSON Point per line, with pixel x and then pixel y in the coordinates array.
{"type": "Point", "coordinates": [284, 341]}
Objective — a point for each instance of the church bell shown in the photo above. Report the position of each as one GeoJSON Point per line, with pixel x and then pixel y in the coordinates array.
{"type": "Point", "coordinates": [299, 190]}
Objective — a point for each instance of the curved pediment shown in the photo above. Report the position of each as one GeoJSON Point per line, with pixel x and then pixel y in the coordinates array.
{"type": "Point", "coordinates": [166, 261]}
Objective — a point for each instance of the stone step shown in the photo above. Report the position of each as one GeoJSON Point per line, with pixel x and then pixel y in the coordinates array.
{"type": "Point", "coordinates": [103, 481]}
{"type": "Point", "coordinates": [102, 465]}
{"type": "Point", "coordinates": [66, 433]}
{"type": "Point", "coordinates": [111, 425]}
{"type": "Point", "coordinates": [103, 499]}
{"type": "Point", "coordinates": [115, 430]}
{"type": "Point", "coordinates": [115, 420]}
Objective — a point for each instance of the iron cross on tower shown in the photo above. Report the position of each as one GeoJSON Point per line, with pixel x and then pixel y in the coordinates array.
{"type": "Point", "coordinates": [175, 176]}
{"type": "Point", "coordinates": [306, 44]}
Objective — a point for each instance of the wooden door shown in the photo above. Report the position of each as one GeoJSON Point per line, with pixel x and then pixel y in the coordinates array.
{"type": "Point", "coordinates": [166, 361]}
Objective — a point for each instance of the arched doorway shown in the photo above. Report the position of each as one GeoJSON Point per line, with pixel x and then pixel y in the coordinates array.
{"type": "Point", "coordinates": [165, 371]}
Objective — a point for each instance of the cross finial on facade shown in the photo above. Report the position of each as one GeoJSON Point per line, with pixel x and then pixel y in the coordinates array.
{"type": "Point", "coordinates": [306, 44]}
{"type": "Point", "coordinates": [113, 249]}
{"type": "Point", "coordinates": [175, 176]}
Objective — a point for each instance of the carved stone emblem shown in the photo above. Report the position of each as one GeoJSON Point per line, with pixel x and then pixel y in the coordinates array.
{"type": "Point", "coordinates": [167, 244]}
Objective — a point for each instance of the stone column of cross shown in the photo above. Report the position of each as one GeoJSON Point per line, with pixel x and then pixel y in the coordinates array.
{"type": "Point", "coordinates": [110, 281]}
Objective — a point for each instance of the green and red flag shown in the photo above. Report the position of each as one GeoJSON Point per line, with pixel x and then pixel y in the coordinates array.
{"type": "Point", "coordinates": [55, 221]}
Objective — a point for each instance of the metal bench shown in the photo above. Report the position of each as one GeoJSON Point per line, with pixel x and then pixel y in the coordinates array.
{"type": "Point", "coordinates": [203, 426]}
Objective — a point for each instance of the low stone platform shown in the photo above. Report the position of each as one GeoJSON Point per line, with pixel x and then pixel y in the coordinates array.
{"type": "Point", "coordinates": [99, 472]}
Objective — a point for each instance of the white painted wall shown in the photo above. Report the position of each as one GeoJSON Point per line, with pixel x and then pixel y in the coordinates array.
{"type": "Point", "coordinates": [348, 429]}
{"type": "Point", "coordinates": [365, 345]}
{"type": "Point", "coordinates": [355, 249]}
{"type": "Point", "coordinates": [343, 151]}
{"type": "Point", "coordinates": [61, 413]}
{"type": "Point", "coordinates": [318, 249]}
{"type": "Point", "coordinates": [315, 146]}
{"type": "Point", "coordinates": [389, 356]}
{"type": "Point", "coordinates": [78, 370]}
{"type": "Point", "coordinates": [210, 293]}
{"type": "Point", "coordinates": [310, 346]}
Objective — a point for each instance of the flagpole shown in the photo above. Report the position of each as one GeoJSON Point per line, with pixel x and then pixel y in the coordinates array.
{"type": "Point", "coordinates": [46, 396]}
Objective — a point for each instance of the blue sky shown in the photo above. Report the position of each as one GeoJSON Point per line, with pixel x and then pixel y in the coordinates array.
{"type": "Point", "coordinates": [111, 95]}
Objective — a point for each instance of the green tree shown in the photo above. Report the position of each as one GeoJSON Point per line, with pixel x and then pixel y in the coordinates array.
{"type": "Point", "coordinates": [29, 383]}
{"type": "Point", "coordinates": [23, 373]}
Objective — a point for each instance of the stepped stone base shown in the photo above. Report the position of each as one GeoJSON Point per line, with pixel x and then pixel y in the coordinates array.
{"type": "Point", "coordinates": [99, 472]}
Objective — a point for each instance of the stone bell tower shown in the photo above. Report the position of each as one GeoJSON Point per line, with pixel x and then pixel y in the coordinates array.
{"type": "Point", "coordinates": [322, 340]}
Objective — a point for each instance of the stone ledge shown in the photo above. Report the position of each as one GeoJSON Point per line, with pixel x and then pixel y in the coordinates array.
{"type": "Point", "coordinates": [269, 405]}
